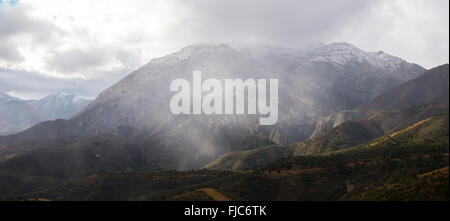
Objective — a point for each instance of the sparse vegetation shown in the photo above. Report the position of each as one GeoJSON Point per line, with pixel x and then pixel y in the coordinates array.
{"type": "Point", "coordinates": [350, 173]}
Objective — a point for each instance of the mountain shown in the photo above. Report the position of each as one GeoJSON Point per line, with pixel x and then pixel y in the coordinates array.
{"type": "Point", "coordinates": [303, 78]}
{"type": "Point", "coordinates": [127, 139]}
{"type": "Point", "coordinates": [60, 106]}
{"type": "Point", "coordinates": [348, 128]}
{"type": "Point", "coordinates": [431, 85]}
{"type": "Point", "coordinates": [17, 115]}
{"type": "Point", "coordinates": [345, 135]}
{"type": "Point", "coordinates": [394, 121]}
{"type": "Point", "coordinates": [314, 83]}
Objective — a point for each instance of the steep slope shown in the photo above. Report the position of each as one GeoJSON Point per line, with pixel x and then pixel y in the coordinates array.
{"type": "Point", "coordinates": [144, 94]}
{"type": "Point", "coordinates": [431, 85]}
{"type": "Point", "coordinates": [118, 150]}
{"type": "Point", "coordinates": [308, 87]}
{"type": "Point", "coordinates": [394, 121]}
{"type": "Point", "coordinates": [345, 135]}
{"type": "Point", "coordinates": [349, 172]}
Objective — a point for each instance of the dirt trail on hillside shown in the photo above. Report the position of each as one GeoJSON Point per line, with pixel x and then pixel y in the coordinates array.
{"type": "Point", "coordinates": [215, 195]}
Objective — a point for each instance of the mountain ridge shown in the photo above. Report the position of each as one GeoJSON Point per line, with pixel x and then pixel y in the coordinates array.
{"type": "Point", "coordinates": [430, 85]}
{"type": "Point", "coordinates": [17, 114]}
{"type": "Point", "coordinates": [349, 128]}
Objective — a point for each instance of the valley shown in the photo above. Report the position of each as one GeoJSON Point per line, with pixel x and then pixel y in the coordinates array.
{"type": "Point", "coordinates": [335, 175]}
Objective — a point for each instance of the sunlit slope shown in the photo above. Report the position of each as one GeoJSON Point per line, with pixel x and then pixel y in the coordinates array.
{"type": "Point", "coordinates": [430, 86]}
{"type": "Point", "coordinates": [204, 194]}
{"type": "Point", "coordinates": [431, 186]}
{"type": "Point", "coordinates": [346, 135]}
{"type": "Point", "coordinates": [334, 175]}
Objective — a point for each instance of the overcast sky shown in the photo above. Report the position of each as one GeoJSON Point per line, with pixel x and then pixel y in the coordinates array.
{"type": "Point", "coordinates": [83, 47]}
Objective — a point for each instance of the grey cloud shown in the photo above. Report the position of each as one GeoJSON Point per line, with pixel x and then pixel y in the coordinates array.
{"type": "Point", "coordinates": [129, 58]}
{"type": "Point", "coordinates": [15, 21]}
{"type": "Point", "coordinates": [9, 52]}
{"type": "Point", "coordinates": [34, 84]}
{"type": "Point", "coordinates": [86, 61]}
{"type": "Point", "coordinates": [293, 23]}
{"type": "Point", "coordinates": [77, 59]}
{"type": "Point", "coordinates": [288, 23]}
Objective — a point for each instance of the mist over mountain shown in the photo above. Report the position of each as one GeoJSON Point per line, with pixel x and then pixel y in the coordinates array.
{"type": "Point", "coordinates": [398, 108]}
{"type": "Point", "coordinates": [225, 101]}
{"type": "Point", "coordinates": [429, 86]}
{"type": "Point", "coordinates": [17, 115]}
{"type": "Point", "coordinates": [312, 83]}
{"type": "Point", "coordinates": [328, 79]}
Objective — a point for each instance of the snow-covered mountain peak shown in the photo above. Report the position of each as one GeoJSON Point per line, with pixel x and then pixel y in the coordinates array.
{"type": "Point", "coordinates": [17, 114]}
{"type": "Point", "coordinates": [341, 54]}
{"type": "Point", "coordinates": [381, 55]}
{"type": "Point", "coordinates": [191, 51]}
{"type": "Point", "coordinates": [338, 53]}
{"type": "Point", "coordinates": [258, 51]}
{"type": "Point", "coordinates": [61, 95]}
{"type": "Point", "coordinates": [63, 98]}
{"type": "Point", "coordinates": [339, 46]}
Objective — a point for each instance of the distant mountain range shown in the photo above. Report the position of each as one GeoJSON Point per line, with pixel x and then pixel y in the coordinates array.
{"type": "Point", "coordinates": [17, 115]}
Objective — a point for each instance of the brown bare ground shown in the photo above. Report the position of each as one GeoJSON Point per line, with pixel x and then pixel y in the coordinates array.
{"type": "Point", "coordinates": [215, 195]}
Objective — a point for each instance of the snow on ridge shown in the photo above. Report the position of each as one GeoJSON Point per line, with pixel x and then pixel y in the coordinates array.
{"type": "Point", "coordinates": [187, 52]}
{"type": "Point", "coordinates": [62, 98]}
{"type": "Point", "coordinates": [339, 53]}
{"type": "Point", "coordinates": [342, 53]}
